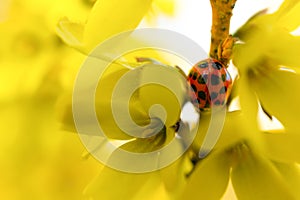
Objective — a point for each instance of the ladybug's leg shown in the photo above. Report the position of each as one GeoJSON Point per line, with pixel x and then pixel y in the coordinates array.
{"type": "Point", "coordinates": [225, 49]}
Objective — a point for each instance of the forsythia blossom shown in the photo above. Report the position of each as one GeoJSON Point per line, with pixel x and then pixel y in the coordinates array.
{"type": "Point", "coordinates": [260, 164]}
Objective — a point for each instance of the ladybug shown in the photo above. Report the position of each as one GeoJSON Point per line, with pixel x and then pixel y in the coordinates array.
{"type": "Point", "coordinates": [210, 84]}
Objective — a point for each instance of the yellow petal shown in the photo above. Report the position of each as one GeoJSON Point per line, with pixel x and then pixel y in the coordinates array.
{"type": "Point", "coordinates": [128, 101]}
{"type": "Point", "coordinates": [104, 95]}
{"type": "Point", "coordinates": [160, 92]}
{"type": "Point", "coordinates": [108, 18]}
{"type": "Point", "coordinates": [250, 25]}
{"type": "Point", "coordinates": [289, 15]}
{"type": "Point", "coordinates": [70, 32]}
{"type": "Point", "coordinates": [236, 128]}
{"type": "Point", "coordinates": [167, 91]}
{"type": "Point", "coordinates": [115, 185]}
{"type": "Point", "coordinates": [286, 6]}
{"type": "Point", "coordinates": [103, 105]}
{"type": "Point", "coordinates": [286, 50]}
{"type": "Point", "coordinates": [263, 31]}
{"type": "Point", "coordinates": [271, 69]}
{"type": "Point", "coordinates": [279, 93]}
{"type": "Point", "coordinates": [248, 100]}
{"type": "Point", "coordinates": [255, 177]}
{"type": "Point", "coordinates": [209, 179]}
{"type": "Point", "coordinates": [282, 147]}
{"type": "Point", "coordinates": [144, 145]}
{"type": "Point", "coordinates": [291, 174]}
{"type": "Point", "coordinates": [165, 6]}
{"type": "Point", "coordinates": [174, 175]}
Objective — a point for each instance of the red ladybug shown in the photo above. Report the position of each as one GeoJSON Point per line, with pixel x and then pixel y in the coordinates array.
{"type": "Point", "coordinates": [210, 83]}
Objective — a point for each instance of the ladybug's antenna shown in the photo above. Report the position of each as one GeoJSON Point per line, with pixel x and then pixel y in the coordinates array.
{"type": "Point", "coordinates": [221, 15]}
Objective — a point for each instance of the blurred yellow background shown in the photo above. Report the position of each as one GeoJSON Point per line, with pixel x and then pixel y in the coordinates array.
{"type": "Point", "coordinates": [38, 160]}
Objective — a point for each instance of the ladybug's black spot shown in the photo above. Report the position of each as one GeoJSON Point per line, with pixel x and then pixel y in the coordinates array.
{"type": "Point", "coordinates": [223, 90]}
{"type": "Point", "coordinates": [194, 87]}
{"type": "Point", "coordinates": [195, 76]}
{"type": "Point", "coordinates": [215, 79]}
{"type": "Point", "coordinates": [223, 77]}
{"type": "Point", "coordinates": [203, 65]}
{"type": "Point", "coordinates": [207, 104]}
{"type": "Point", "coordinates": [217, 103]}
{"type": "Point", "coordinates": [217, 65]}
{"type": "Point", "coordinates": [213, 95]}
{"type": "Point", "coordinates": [190, 74]}
{"type": "Point", "coordinates": [202, 79]}
{"type": "Point", "coordinates": [202, 95]}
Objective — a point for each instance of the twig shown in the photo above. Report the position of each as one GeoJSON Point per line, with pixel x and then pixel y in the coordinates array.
{"type": "Point", "coordinates": [221, 14]}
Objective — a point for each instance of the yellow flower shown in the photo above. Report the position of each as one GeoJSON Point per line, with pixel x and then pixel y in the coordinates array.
{"type": "Point", "coordinates": [167, 7]}
{"type": "Point", "coordinates": [112, 16]}
{"type": "Point", "coordinates": [260, 164]}
{"type": "Point", "coordinates": [165, 182]}
{"type": "Point", "coordinates": [273, 69]}
{"type": "Point", "coordinates": [246, 157]}
{"type": "Point", "coordinates": [129, 15]}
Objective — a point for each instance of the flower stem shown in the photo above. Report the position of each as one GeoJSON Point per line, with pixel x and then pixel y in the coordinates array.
{"type": "Point", "coordinates": [221, 14]}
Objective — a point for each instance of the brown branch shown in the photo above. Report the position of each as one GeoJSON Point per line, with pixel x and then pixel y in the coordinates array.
{"type": "Point", "coordinates": [221, 14]}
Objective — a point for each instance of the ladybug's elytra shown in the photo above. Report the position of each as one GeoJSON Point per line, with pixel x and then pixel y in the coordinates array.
{"type": "Point", "coordinates": [209, 80]}
{"type": "Point", "coordinates": [210, 83]}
